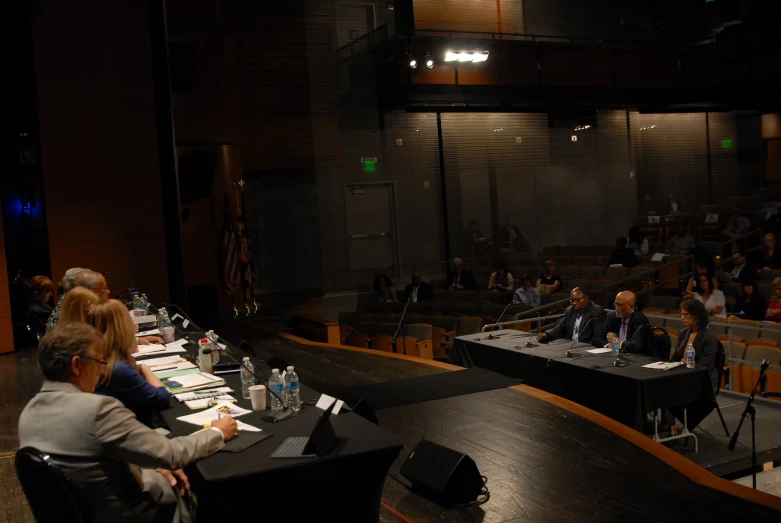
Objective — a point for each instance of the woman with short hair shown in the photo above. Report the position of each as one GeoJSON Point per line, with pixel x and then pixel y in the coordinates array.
{"type": "Point", "coordinates": [41, 290]}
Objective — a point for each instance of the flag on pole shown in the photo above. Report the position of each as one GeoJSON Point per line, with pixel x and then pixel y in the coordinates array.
{"type": "Point", "coordinates": [230, 259]}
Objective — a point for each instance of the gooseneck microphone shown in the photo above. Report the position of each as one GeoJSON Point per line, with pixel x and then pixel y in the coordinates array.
{"type": "Point", "coordinates": [617, 362]}
{"type": "Point", "coordinates": [569, 353]}
{"type": "Point", "coordinates": [529, 343]}
{"type": "Point", "coordinates": [498, 320]}
{"type": "Point", "coordinates": [398, 327]}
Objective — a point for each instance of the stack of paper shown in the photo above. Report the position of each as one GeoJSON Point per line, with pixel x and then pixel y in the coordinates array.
{"type": "Point", "coordinates": [663, 365]}
{"type": "Point", "coordinates": [162, 362]}
{"type": "Point", "coordinates": [151, 332]}
{"type": "Point", "coordinates": [223, 408]}
{"type": "Point", "coordinates": [208, 402]}
{"type": "Point", "coordinates": [186, 396]}
{"type": "Point", "coordinates": [177, 369]}
{"type": "Point", "coordinates": [158, 350]}
{"type": "Point", "coordinates": [194, 381]}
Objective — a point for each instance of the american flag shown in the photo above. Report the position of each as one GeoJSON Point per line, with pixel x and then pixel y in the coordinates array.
{"type": "Point", "coordinates": [230, 258]}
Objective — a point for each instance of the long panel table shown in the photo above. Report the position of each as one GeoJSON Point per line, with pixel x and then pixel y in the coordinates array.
{"type": "Point", "coordinates": [344, 486]}
{"type": "Point", "coordinates": [625, 394]}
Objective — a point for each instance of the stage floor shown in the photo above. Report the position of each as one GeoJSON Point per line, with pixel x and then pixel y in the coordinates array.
{"type": "Point", "coordinates": [544, 462]}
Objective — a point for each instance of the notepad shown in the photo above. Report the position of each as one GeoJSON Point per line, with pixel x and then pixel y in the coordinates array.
{"type": "Point", "coordinates": [150, 332]}
{"type": "Point", "coordinates": [223, 408]}
{"type": "Point", "coordinates": [164, 361]}
{"type": "Point", "coordinates": [207, 402]}
{"type": "Point", "coordinates": [663, 365]}
{"type": "Point", "coordinates": [208, 393]}
{"type": "Point", "coordinates": [599, 351]}
{"type": "Point", "coordinates": [157, 350]}
{"type": "Point", "coordinates": [194, 381]}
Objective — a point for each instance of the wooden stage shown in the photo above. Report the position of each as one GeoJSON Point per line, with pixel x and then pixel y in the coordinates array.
{"type": "Point", "coordinates": [546, 459]}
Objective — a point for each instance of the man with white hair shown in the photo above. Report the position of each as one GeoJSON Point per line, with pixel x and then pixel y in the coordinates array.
{"type": "Point", "coordinates": [68, 282]}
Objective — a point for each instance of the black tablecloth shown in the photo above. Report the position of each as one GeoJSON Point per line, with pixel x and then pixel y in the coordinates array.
{"type": "Point", "coordinates": [346, 485]}
{"type": "Point", "coordinates": [625, 394]}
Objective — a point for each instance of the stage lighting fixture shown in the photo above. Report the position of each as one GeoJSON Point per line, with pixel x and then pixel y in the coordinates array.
{"type": "Point", "coordinates": [466, 56]}
{"type": "Point", "coordinates": [429, 61]}
{"type": "Point", "coordinates": [413, 63]}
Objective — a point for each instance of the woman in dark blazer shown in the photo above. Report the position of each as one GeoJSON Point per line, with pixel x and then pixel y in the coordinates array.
{"type": "Point", "coordinates": [706, 345]}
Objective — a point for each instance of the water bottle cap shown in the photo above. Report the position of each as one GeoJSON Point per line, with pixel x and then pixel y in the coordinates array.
{"type": "Point", "coordinates": [290, 368]}
{"type": "Point", "coordinates": [274, 371]}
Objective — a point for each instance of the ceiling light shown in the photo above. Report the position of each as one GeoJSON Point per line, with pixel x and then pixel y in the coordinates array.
{"type": "Point", "coordinates": [466, 56]}
{"type": "Point", "coordinates": [413, 64]}
{"type": "Point", "coordinates": [463, 56]}
{"type": "Point", "coordinates": [429, 61]}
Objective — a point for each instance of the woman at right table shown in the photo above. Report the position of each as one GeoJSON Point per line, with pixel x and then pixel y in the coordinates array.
{"type": "Point", "coordinates": [695, 321]}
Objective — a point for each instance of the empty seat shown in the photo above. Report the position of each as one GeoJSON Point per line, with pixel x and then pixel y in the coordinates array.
{"type": "Point", "coordinates": [489, 297]}
{"type": "Point", "coordinates": [468, 296]}
{"type": "Point", "coordinates": [746, 329]}
{"type": "Point", "coordinates": [601, 260]}
{"type": "Point", "coordinates": [563, 261]}
{"type": "Point", "coordinates": [422, 346]}
{"type": "Point", "coordinates": [583, 283]}
{"type": "Point", "coordinates": [551, 250]}
{"type": "Point", "coordinates": [667, 303]}
{"type": "Point", "coordinates": [617, 273]}
{"type": "Point", "coordinates": [765, 290]}
{"type": "Point", "coordinates": [769, 276]}
{"type": "Point", "coordinates": [599, 284]}
{"type": "Point", "coordinates": [718, 326]}
{"type": "Point", "coordinates": [583, 261]}
{"type": "Point", "coordinates": [569, 272]}
{"type": "Point", "coordinates": [655, 316]}
{"type": "Point", "coordinates": [469, 325]}
{"type": "Point", "coordinates": [558, 296]}
{"type": "Point", "coordinates": [443, 295]}
{"type": "Point", "coordinates": [592, 272]}
{"type": "Point", "coordinates": [674, 322]}
{"type": "Point", "coordinates": [646, 271]}
{"type": "Point", "coordinates": [771, 331]}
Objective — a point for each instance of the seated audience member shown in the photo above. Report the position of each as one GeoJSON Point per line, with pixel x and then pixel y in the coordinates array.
{"type": "Point", "coordinates": [500, 280]}
{"type": "Point", "coordinates": [68, 282]}
{"type": "Point", "coordinates": [582, 321]}
{"type": "Point", "coordinates": [621, 255]}
{"type": "Point", "coordinates": [743, 272]}
{"type": "Point", "coordinates": [713, 299]}
{"type": "Point", "coordinates": [737, 226]}
{"type": "Point", "coordinates": [131, 383]}
{"type": "Point", "coordinates": [695, 331]}
{"type": "Point", "coordinates": [638, 242]}
{"type": "Point", "coordinates": [384, 289]}
{"type": "Point", "coordinates": [648, 206]}
{"type": "Point", "coordinates": [773, 224]}
{"type": "Point", "coordinates": [625, 325]}
{"type": "Point", "coordinates": [41, 290]}
{"type": "Point", "coordinates": [77, 304]}
{"type": "Point", "coordinates": [108, 456]}
{"type": "Point", "coordinates": [476, 235]}
{"type": "Point", "coordinates": [549, 281]}
{"type": "Point", "coordinates": [511, 233]}
{"type": "Point", "coordinates": [459, 278]}
{"type": "Point", "coordinates": [771, 259]}
{"type": "Point", "coordinates": [95, 282]}
{"type": "Point", "coordinates": [774, 307]}
{"type": "Point", "coordinates": [681, 243]}
{"type": "Point", "coordinates": [701, 269]}
{"type": "Point", "coordinates": [752, 306]}
{"type": "Point", "coordinates": [673, 207]}
{"type": "Point", "coordinates": [526, 293]}
{"type": "Point", "coordinates": [418, 290]}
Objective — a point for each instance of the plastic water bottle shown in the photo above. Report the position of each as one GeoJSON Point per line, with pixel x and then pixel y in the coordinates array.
{"type": "Point", "coordinates": [276, 384]}
{"type": "Point", "coordinates": [247, 378]}
{"type": "Point", "coordinates": [144, 302]}
{"type": "Point", "coordinates": [136, 301]}
{"type": "Point", "coordinates": [615, 346]}
{"type": "Point", "coordinates": [162, 319]}
{"type": "Point", "coordinates": [690, 356]}
{"type": "Point", "coordinates": [292, 389]}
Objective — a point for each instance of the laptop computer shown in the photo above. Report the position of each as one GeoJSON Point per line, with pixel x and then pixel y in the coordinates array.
{"type": "Point", "coordinates": [321, 442]}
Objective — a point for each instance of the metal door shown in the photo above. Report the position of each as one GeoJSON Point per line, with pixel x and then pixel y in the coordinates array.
{"type": "Point", "coordinates": [371, 227]}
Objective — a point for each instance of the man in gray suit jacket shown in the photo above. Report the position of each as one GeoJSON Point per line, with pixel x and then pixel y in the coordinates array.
{"type": "Point", "coordinates": [100, 446]}
{"type": "Point", "coordinates": [582, 321]}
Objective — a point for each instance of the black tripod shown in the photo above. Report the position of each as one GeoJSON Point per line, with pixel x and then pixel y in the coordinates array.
{"type": "Point", "coordinates": [751, 411]}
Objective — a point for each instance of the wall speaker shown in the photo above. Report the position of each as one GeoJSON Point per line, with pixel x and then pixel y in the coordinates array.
{"type": "Point", "coordinates": [442, 474]}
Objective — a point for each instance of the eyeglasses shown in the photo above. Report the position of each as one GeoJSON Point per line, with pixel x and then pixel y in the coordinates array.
{"type": "Point", "coordinates": [577, 300]}
{"type": "Point", "coordinates": [103, 364]}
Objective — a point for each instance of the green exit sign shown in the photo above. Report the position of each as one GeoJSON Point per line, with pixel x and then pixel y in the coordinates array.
{"type": "Point", "coordinates": [369, 165]}
{"type": "Point", "coordinates": [729, 143]}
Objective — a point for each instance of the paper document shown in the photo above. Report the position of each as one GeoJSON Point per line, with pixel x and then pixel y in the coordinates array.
{"type": "Point", "coordinates": [150, 332]}
{"type": "Point", "coordinates": [156, 350]}
{"type": "Point", "coordinates": [166, 360]}
{"type": "Point", "coordinates": [173, 366]}
{"type": "Point", "coordinates": [247, 428]}
{"type": "Point", "coordinates": [325, 401]}
{"type": "Point", "coordinates": [223, 408]}
{"type": "Point", "coordinates": [599, 351]}
{"type": "Point", "coordinates": [144, 319]}
{"type": "Point", "coordinates": [195, 381]}
{"type": "Point", "coordinates": [207, 393]}
{"type": "Point", "coordinates": [185, 323]}
{"type": "Point", "coordinates": [663, 365]}
{"type": "Point", "coordinates": [207, 402]}
{"type": "Point", "coordinates": [178, 343]}
{"type": "Point", "coordinates": [659, 256]}
{"type": "Point", "coordinates": [175, 316]}
{"type": "Point", "coordinates": [163, 374]}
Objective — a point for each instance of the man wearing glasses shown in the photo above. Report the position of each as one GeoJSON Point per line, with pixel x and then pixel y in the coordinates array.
{"type": "Point", "coordinates": [582, 321]}
{"type": "Point", "coordinates": [743, 272]}
{"type": "Point", "coordinates": [623, 324]}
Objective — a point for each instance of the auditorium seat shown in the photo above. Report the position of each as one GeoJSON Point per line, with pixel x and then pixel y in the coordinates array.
{"type": "Point", "coordinates": [656, 322]}
{"type": "Point", "coordinates": [667, 303]}
{"type": "Point", "coordinates": [617, 273]}
{"type": "Point", "coordinates": [469, 325]}
{"type": "Point", "coordinates": [769, 276]}
{"type": "Point", "coordinates": [765, 290]}
{"type": "Point", "coordinates": [583, 283]}
{"type": "Point", "coordinates": [731, 290]}
{"type": "Point", "coordinates": [674, 322]}
{"type": "Point", "coordinates": [746, 329]}
{"type": "Point", "coordinates": [563, 261]}
{"type": "Point", "coordinates": [592, 272]}
{"type": "Point", "coordinates": [762, 342]}
{"type": "Point", "coordinates": [602, 261]}
{"type": "Point", "coordinates": [465, 308]}
{"type": "Point", "coordinates": [673, 333]}
{"type": "Point", "coordinates": [551, 250]}
{"type": "Point", "coordinates": [443, 295]}
{"type": "Point", "coordinates": [558, 296]}
{"type": "Point", "coordinates": [417, 341]}
{"type": "Point", "coordinates": [730, 304]}
{"type": "Point", "coordinates": [525, 269]}
{"type": "Point", "coordinates": [583, 261]}
{"type": "Point", "coordinates": [746, 373]}
{"type": "Point", "coordinates": [569, 271]}
{"type": "Point", "coordinates": [645, 270]}
{"type": "Point", "coordinates": [718, 326]}
{"type": "Point", "coordinates": [599, 284]}
{"type": "Point", "coordinates": [771, 331]}
{"type": "Point", "coordinates": [489, 297]}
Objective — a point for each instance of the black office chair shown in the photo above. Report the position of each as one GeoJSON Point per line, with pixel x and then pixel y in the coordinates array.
{"type": "Point", "coordinates": [47, 489]}
{"type": "Point", "coordinates": [721, 358]}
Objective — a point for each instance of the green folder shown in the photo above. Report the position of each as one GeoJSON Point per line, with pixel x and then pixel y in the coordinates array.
{"type": "Point", "coordinates": [173, 373]}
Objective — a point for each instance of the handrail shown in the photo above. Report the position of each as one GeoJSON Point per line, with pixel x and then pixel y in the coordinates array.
{"type": "Point", "coordinates": [518, 322]}
{"type": "Point", "coordinates": [383, 28]}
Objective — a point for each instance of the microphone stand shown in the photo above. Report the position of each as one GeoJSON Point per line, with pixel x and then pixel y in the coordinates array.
{"type": "Point", "coordinates": [569, 353]}
{"type": "Point", "coordinates": [498, 320]}
{"type": "Point", "coordinates": [617, 362]}
{"type": "Point", "coordinates": [750, 411]}
{"type": "Point", "coordinates": [529, 344]}
{"type": "Point", "coordinates": [396, 334]}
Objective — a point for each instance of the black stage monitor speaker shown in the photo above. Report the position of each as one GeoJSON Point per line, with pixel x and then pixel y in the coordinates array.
{"type": "Point", "coordinates": [442, 474]}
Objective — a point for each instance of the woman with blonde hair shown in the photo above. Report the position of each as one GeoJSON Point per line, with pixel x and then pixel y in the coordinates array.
{"type": "Point", "coordinates": [133, 384]}
{"type": "Point", "coordinates": [76, 304]}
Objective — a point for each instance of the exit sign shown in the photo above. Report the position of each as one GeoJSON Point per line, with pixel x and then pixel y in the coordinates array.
{"type": "Point", "coordinates": [369, 165]}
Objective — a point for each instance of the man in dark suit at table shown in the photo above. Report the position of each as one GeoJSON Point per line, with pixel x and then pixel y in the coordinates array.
{"type": "Point", "coordinates": [625, 325]}
{"type": "Point", "coordinates": [418, 290]}
{"type": "Point", "coordinates": [459, 278]}
{"type": "Point", "coordinates": [582, 321]}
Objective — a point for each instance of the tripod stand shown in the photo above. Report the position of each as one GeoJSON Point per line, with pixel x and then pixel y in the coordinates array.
{"type": "Point", "coordinates": [751, 411]}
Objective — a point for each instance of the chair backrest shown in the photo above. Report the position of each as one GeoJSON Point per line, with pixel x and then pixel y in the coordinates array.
{"type": "Point", "coordinates": [592, 272]}
{"type": "Point", "coordinates": [746, 329]}
{"type": "Point", "coordinates": [489, 296]}
{"type": "Point", "coordinates": [584, 261]}
{"type": "Point", "coordinates": [600, 283]}
{"type": "Point", "coordinates": [469, 325]}
{"type": "Point", "coordinates": [369, 328]}
{"type": "Point", "coordinates": [583, 283]}
{"type": "Point", "coordinates": [419, 331]}
{"type": "Point", "coordinates": [569, 271]}
{"type": "Point", "coordinates": [771, 331]}
{"type": "Point", "coordinates": [388, 328]}
{"type": "Point", "coordinates": [758, 354]}
{"type": "Point", "coordinates": [443, 295]}
{"type": "Point", "coordinates": [668, 303]}
{"type": "Point", "coordinates": [674, 322]}
{"type": "Point", "coordinates": [721, 357]}
{"type": "Point", "coordinates": [660, 342]}
{"type": "Point", "coordinates": [470, 296]}
{"type": "Point", "coordinates": [448, 323]}
{"type": "Point", "coordinates": [51, 496]}
{"type": "Point", "coordinates": [765, 290]}
{"type": "Point", "coordinates": [718, 328]}
{"type": "Point", "coordinates": [617, 273]}
{"type": "Point", "coordinates": [769, 276]}
{"type": "Point", "coordinates": [563, 261]}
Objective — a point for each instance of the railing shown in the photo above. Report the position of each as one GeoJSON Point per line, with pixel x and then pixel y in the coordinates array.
{"type": "Point", "coordinates": [517, 321]}
{"type": "Point", "coordinates": [363, 43]}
